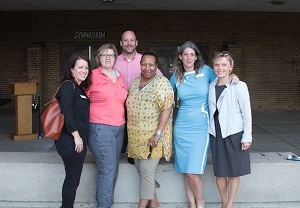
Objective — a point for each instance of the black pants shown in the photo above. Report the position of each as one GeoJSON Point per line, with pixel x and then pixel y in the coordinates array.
{"type": "Point", "coordinates": [125, 140]}
{"type": "Point", "coordinates": [73, 162]}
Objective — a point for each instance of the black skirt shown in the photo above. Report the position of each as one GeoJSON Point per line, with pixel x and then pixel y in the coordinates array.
{"type": "Point", "coordinates": [228, 158]}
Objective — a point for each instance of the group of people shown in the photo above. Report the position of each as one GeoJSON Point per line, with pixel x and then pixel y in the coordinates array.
{"type": "Point", "coordinates": [127, 95]}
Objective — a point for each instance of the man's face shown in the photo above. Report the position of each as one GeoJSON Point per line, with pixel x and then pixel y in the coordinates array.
{"type": "Point", "coordinates": [129, 42]}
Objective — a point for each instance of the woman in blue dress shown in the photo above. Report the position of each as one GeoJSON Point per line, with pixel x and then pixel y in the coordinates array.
{"type": "Point", "coordinates": [191, 139]}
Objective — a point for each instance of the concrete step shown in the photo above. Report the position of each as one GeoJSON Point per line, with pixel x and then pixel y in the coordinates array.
{"type": "Point", "coordinates": [33, 179]}
{"type": "Point", "coordinates": [135, 205]}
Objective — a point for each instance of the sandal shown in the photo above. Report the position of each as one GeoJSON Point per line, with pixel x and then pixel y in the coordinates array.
{"type": "Point", "coordinates": [201, 206]}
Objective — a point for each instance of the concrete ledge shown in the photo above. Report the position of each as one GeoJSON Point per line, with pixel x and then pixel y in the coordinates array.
{"type": "Point", "coordinates": [35, 179]}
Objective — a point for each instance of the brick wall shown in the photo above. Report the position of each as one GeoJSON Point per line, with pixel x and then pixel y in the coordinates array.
{"type": "Point", "coordinates": [266, 46]}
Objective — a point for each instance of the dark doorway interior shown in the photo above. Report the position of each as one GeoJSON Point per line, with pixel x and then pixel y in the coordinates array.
{"type": "Point", "coordinates": [68, 50]}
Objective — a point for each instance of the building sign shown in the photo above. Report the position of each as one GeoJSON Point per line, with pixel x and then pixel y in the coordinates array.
{"type": "Point", "coordinates": [90, 35]}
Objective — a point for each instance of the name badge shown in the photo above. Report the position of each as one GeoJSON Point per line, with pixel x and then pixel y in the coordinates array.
{"type": "Point", "coordinates": [82, 96]}
{"type": "Point", "coordinates": [200, 75]}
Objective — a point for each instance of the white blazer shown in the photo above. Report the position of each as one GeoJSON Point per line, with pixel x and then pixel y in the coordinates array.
{"type": "Point", "coordinates": [234, 110]}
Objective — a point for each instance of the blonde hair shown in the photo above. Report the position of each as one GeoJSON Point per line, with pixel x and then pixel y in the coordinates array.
{"type": "Point", "coordinates": [104, 48]}
{"type": "Point", "coordinates": [222, 54]}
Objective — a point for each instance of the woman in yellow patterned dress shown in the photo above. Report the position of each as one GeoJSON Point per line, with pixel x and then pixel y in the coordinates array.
{"type": "Point", "coordinates": [149, 122]}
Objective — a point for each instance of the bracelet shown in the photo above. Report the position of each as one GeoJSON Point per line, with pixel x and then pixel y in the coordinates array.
{"type": "Point", "coordinates": [157, 135]}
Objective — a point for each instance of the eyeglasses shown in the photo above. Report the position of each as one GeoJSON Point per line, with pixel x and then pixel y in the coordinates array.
{"type": "Point", "coordinates": [107, 55]}
{"type": "Point", "coordinates": [223, 53]}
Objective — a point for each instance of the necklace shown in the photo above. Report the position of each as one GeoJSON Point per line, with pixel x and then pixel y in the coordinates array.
{"type": "Point", "coordinates": [148, 82]}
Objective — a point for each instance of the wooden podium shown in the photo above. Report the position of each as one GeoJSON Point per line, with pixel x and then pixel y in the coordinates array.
{"type": "Point", "coordinates": [23, 92]}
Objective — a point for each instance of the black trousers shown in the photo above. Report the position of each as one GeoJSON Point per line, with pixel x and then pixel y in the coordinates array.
{"type": "Point", "coordinates": [73, 162]}
{"type": "Point", "coordinates": [125, 140]}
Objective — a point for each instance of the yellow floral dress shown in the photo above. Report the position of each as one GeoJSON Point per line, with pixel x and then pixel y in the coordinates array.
{"type": "Point", "coordinates": [143, 112]}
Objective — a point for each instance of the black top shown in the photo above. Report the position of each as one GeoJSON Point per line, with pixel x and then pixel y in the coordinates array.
{"type": "Point", "coordinates": [219, 89]}
{"type": "Point", "coordinates": [75, 106]}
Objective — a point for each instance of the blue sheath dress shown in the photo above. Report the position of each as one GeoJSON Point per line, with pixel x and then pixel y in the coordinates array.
{"type": "Point", "coordinates": [191, 138]}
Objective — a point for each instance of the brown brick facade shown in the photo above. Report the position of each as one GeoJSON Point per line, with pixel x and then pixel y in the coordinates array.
{"type": "Point", "coordinates": [265, 46]}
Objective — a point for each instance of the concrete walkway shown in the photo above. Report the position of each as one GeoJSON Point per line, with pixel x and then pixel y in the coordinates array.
{"type": "Point", "coordinates": [273, 131]}
{"type": "Point", "coordinates": [275, 135]}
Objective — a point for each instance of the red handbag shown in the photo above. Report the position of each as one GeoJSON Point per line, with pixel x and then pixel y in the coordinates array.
{"type": "Point", "coordinates": [52, 120]}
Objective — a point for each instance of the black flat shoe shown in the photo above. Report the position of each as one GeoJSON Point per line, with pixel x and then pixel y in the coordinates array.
{"type": "Point", "coordinates": [130, 160]}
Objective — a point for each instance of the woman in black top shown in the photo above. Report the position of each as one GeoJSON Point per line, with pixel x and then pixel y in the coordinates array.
{"type": "Point", "coordinates": [75, 106]}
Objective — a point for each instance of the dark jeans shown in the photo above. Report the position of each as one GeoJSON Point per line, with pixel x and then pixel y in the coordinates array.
{"type": "Point", "coordinates": [73, 162]}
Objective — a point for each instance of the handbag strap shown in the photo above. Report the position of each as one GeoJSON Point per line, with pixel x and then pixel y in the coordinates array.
{"type": "Point", "coordinates": [53, 99]}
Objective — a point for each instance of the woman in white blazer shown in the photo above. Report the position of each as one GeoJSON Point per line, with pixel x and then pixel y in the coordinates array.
{"type": "Point", "coordinates": [230, 128]}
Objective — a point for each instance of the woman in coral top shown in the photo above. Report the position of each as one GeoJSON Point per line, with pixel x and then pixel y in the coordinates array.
{"type": "Point", "coordinates": [107, 96]}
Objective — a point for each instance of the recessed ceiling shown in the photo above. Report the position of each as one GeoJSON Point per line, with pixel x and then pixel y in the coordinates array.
{"type": "Point", "coordinates": [211, 5]}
